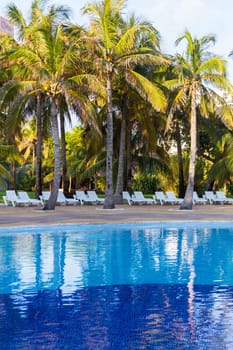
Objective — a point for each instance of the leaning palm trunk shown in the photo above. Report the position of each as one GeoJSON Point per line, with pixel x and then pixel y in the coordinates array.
{"type": "Point", "coordinates": [188, 198]}
{"type": "Point", "coordinates": [50, 205]}
{"type": "Point", "coordinates": [120, 174]}
{"type": "Point", "coordinates": [109, 200]}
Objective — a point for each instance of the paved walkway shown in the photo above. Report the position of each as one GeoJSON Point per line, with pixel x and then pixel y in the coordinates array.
{"type": "Point", "coordinates": [31, 216]}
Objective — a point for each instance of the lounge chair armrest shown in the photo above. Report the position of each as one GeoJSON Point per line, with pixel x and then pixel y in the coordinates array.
{"type": "Point", "coordinates": [130, 202]}
{"type": "Point", "coordinates": [5, 200]}
{"type": "Point", "coordinates": [154, 199]}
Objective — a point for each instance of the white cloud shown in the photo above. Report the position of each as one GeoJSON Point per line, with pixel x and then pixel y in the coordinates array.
{"type": "Point", "coordinates": [188, 11]}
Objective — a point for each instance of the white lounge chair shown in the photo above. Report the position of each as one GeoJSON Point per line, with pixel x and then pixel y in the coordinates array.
{"type": "Point", "coordinates": [61, 198]}
{"type": "Point", "coordinates": [138, 197]}
{"type": "Point", "coordinates": [220, 195]}
{"type": "Point", "coordinates": [127, 197]}
{"type": "Point", "coordinates": [12, 199]}
{"type": "Point", "coordinates": [172, 198]}
{"type": "Point", "coordinates": [164, 199]}
{"type": "Point", "coordinates": [211, 197]}
{"type": "Point", "coordinates": [45, 197]}
{"type": "Point", "coordinates": [198, 200]}
{"type": "Point", "coordinates": [25, 197]}
{"type": "Point", "coordinates": [161, 198]}
{"type": "Point", "coordinates": [93, 198]}
{"type": "Point", "coordinates": [81, 197]}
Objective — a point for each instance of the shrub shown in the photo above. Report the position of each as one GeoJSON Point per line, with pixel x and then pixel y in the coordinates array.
{"type": "Point", "coordinates": [147, 183]}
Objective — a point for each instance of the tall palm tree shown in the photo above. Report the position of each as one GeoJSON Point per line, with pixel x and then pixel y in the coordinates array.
{"type": "Point", "coordinates": [29, 37]}
{"type": "Point", "coordinates": [146, 88]}
{"type": "Point", "coordinates": [201, 83]}
{"type": "Point", "coordinates": [116, 51]}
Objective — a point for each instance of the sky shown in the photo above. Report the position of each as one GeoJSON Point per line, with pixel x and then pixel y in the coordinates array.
{"type": "Point", "coordinates": [171, 18]}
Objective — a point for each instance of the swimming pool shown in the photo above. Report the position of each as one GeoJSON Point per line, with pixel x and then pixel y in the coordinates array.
{"type": "Point", "coordinates": [141, 286]}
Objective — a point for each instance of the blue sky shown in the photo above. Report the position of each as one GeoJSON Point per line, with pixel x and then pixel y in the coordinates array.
{"type": "Point", "coordinates": [171, 18]}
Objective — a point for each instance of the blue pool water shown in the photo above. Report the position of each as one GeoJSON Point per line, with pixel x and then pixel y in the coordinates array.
{"type": "Point", "coordinates": [118, 287]}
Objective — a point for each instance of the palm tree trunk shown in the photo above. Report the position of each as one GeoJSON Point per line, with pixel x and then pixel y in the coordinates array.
{"type": "Point", "coordinates": [14, 176]}
{"type": "Point", "coordinates": [50, 205]}
{"type": "Point", "coordinates": [120, 175]}
{"type": "Point", "coordinates": [180, 162]}
{"type": "Point", "coordinates": [63, 155]}
{"type": "Point", "coordinates": [39, 128]}
{"type": "Point", "coordinates": [109, 200]}
{"type": "Point", "coordinates": [188, 199]}
{"type": "Point", "coordinates": [129, 158]}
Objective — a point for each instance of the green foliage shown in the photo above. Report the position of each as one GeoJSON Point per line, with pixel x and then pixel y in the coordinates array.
{"type": "Point", "coordinates": [230, 190]}
{"type": "Point", "coordinates": [25, 180]}
{"type": "Point", "coordinates": [75, 138]}
{"type": "Point", "coordinates": [85, 157]}
{"type": "Point", "coordinates": [147, 183]}
{"type": "Point", "coordinates": [202, 175]}
{"type": "Point", "coordinates": [101, 184]}
{"type": "Point", "coordinates": [5, 174]}
{"type": "Point", "coordinates": [5, 151]}
{"type": "Point", "coordinates": [221, 171]}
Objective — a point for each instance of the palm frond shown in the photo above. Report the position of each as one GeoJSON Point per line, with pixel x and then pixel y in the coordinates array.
{"type": "Point", "coordinates": [92, 83]}
{"type": "Point", "coordinates": [84, 108]}
{"type": "Point", "coordinates": [148, 90]}
{"type": "Point", "coordinates": [214, 65]}
{"type": "Point", "coordinates": [129, 38]}
{"type": "Point", "coordinates": [143, 56]}
{"type": "Point", "coordinates": [93, 169]}
{"type": "Point", "coordinates": [217, 81]}
{"type": "Point", "coordinates": [178, 100]}
{"type": "Point", "coordinates": [17, 18]}
{"type": "Point", "coordinates": [225, 113]}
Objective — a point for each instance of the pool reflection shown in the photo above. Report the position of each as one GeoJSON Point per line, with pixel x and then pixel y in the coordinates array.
{"type": "Point", "coordinates": [69, 260]}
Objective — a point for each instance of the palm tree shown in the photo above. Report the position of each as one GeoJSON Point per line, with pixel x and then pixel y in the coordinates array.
{"type": "Point", "coordinates": [117, 51]}
{"type": "Point", "coordinates": [144, 89]}
{"type": "Point", "coordinates": [45, 68]}
{"type": "Point", "coordinates": [200, 83]}
{"type": "Point", "coordinates": [40, 58]}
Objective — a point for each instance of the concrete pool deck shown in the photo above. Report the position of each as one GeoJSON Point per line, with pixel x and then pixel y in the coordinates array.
{"type": "Point", "coordinates": [91, 214]}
